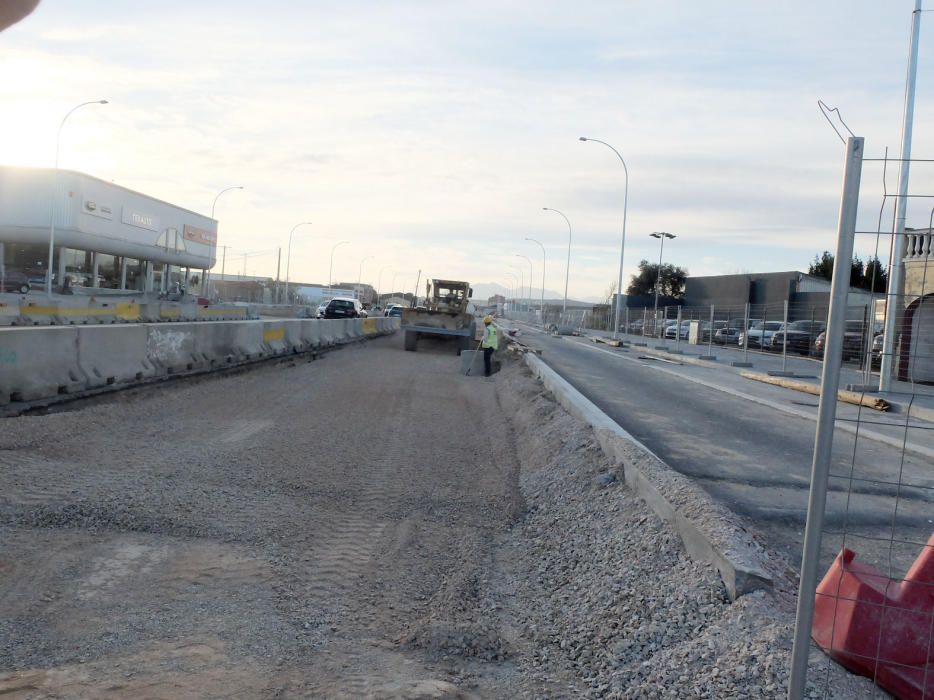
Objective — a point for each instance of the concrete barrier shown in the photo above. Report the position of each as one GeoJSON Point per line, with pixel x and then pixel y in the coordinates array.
{"type": "Point", "coordinates": [328, 331]}
{"type": "Point", "coordinates": [38, 363]}
{"type": "Point", "coordinates": [114, 354]}
{"type": "Point", "coordinates": [38, 313]}
{"type": "Point", "coordinates": [129, 312]}
{"type": "Point", "coordinates": [311, 334]}
{"type": "Point", "coordinates": [171, 349]}
{"type": "Point", "coordinates": [9, 313]}
{"type": "Point", "coordinates": [274, 337]}
{"type": "Point", "coordinates": [294, 338]}
{"type": "Point", "coordinates": [44, 362]}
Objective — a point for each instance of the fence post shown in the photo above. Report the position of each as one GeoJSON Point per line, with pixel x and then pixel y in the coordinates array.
{"type": "Point", "coordinates": [710, 355]}
{"type": "Point", "coordinates": [626, 330]}
{"type": "Point", "coordinates": [785, 340]}
{"type": "Point", "coordinates": [826, 418]}
{"type": "Point", "coordinates": [678, 331]}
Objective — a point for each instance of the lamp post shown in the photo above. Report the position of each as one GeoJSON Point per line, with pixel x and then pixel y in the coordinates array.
{"type": "Point", "coordinates": [521, 281]}
{"type": "Point", "coordinates": [529, 261]}
{"type": "Point", "coordinates": [288, 257]}
{"type": "Point", "coordinates": [622, 244]}
{"type": "Point", "coordinates": [331, 267]}
{"type": "Point", "coordinates": [379, 284]}
{"type": "Point", "coordinates": [360, 272]}
{"type": "Point", "coordinates": [226, 189]}
{"type": "Point", "coordinates": [213, 205]}
{"type": "Point", "coordinates": [661, 236]}
{"type": "Point", "coordinates": [543, 277]}
{"type": "Point", "coordinates": [515, 283]}
{"type": "Point", "coordinates": [58, 143]}
{"type": "Point", "coordinates": [567, 272]}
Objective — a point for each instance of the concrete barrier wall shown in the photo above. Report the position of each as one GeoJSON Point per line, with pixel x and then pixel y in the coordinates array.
{"type": "Point", "coordinates": [114, 354]}
{"type": "Point", "coordinates": [37, 363]}
{"type": "Point", "coordinates": [44, 362]}
{"type": "Point", "coordinates": [65, 311]}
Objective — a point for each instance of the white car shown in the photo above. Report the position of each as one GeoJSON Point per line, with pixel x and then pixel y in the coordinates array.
{"type": "Point", "coordinates": [760, 335]}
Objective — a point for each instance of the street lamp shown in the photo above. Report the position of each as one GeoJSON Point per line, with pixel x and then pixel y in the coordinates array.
{"type": "Point", "coordinates": [567, 272]}
{"type": "Point", "coordinates": [515, 284]}
{"type": "Point", "coordinates": [58, 142]}
{"type": "Point", "coordinates": [379, 283]}
{"type": "Point", "coordinates": [661, 236]}
{"type": "Point", "coordinates": [529, 260]}
{"type": "Point", "coordinates": [331, 267]}
{"type": "Point", "coordinates": [226, 189]}
{"type": "Point", "coordinates": [543, 277]}
{"type": "Point", "coordinates": [622, 244]}
{"type": "Point", "coordinates": [360, 272]}
{"type": "Point", "coordinates": [521, 281]}
{"type": "Point", "coordinates": [288, 257]}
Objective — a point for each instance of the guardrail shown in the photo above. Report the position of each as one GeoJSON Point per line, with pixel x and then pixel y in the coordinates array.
{"type": "Point", "coordinates": [49, 361]}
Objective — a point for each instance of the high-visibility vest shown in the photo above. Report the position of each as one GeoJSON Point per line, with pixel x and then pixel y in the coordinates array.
{"type": "Point", "coordinates": [492, 339]}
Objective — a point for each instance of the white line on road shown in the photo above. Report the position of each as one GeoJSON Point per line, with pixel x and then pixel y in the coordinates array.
{"type": "Point", "coordinates": [844, 426]}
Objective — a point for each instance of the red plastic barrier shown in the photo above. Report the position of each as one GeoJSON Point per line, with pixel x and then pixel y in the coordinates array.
{"type": "Point", "coordinates": [880, 627]}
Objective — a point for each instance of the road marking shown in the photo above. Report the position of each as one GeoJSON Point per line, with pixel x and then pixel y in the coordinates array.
{"type": "Point", "coordinates": [844, 426]}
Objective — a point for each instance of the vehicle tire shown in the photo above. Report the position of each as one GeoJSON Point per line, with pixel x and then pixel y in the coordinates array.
{"type": "Point", "coordinates": [24, 288]}
{"type": "Point", "coordinates": [411, 341]}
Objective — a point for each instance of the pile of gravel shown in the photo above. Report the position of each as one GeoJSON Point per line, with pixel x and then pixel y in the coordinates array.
{"type": "Point", "coordinates": [614, 608]}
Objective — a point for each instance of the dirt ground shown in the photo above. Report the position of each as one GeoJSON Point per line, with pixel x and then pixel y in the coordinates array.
{"type": "Point", "coordinates": [367, 525]}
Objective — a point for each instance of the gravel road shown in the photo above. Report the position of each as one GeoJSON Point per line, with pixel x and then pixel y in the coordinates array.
{"type": "Point", "coordinates": [371, 524]}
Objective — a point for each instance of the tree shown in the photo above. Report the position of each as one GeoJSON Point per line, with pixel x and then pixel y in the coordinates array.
{"type": "Point", "coordinates": [670, 283]}
{"type": "Point", "coordinates": [822, 266]}
{"type": "Point", "coordinates": [870, 276]}
{"type": "Point", "coordinates": [875, 278]}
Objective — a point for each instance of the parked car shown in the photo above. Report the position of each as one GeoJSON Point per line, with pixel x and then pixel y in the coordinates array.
{"type": "Point", "coordinates": [854, 339]}
{"type": "Point", "coordinates": [727, 336]}
{"type": "Point", "coordinates": [875, 351]}
{"type": "Point", "coordinates": [343, 308]}
{"type": "Point", "coordinates": [760, 334]}
{"type": "Point", "coordinates": [800, 335]}
{"type": "Point", "coordinates": [671, 330]}
{"type": "Point", "coordinates": [14, 281]}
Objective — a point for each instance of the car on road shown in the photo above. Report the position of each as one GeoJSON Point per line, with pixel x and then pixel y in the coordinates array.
{"type": "Point", "coordinates": [343, 308]}
{"type": "Point", "coordinates": [14, 281]}
{"type": "Point", "coordinates": [760, 334]}
{"type": "Point", "coordinates": [800, 336]}
{"type": "Point", "coordinates": [321, 308]}
{"type": "Point", "coordinates": [394, 311]}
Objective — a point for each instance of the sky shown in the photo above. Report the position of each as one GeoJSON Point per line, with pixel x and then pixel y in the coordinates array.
{"type": "Point", "coordinates": [430, 135]}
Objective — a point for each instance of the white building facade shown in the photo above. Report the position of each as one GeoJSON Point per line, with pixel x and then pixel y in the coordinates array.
{"type": "Point", "coordinates": [106, 237]}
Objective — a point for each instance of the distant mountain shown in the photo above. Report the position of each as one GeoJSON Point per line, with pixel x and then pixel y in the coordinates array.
{"type": "Point", "coordinates": [484, 290]}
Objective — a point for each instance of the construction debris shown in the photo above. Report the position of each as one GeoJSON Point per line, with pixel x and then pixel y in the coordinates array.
{"type": "Point", "coordinates": [874, 402]}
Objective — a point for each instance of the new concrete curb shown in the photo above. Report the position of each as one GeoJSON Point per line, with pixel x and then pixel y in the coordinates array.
{"type": "Point", "coordinates": [673, 497]}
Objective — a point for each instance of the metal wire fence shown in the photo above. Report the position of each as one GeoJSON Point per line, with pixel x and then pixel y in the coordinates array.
{"type": "Point", "coordinates": [866, 596]}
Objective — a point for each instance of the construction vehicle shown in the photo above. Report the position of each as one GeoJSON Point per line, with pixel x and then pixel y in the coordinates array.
{"type": "Point", "coordinates": [443, 315]}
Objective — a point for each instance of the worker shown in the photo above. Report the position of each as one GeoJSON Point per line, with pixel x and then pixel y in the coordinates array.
{"type": "Point", "coordinates": [489, 343]}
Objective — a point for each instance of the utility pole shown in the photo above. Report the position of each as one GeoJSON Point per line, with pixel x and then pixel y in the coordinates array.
{"type": "Point", "coordinates": [896, 290]}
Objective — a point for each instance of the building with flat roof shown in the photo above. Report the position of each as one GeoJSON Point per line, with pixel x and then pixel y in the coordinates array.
{"type": "Point", "coordinates": [106, 236]}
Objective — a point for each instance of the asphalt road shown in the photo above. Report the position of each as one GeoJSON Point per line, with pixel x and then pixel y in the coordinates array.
{"type": "Point", "coordinates": [753, 458]}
